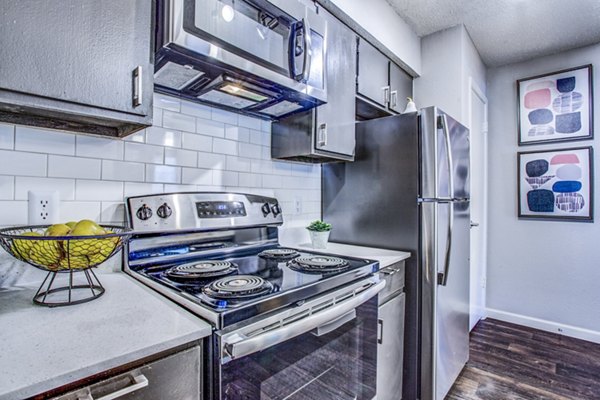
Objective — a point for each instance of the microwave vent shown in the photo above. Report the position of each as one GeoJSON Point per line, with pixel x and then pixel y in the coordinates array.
{"type": "Point", "coordinates": [176, 76]}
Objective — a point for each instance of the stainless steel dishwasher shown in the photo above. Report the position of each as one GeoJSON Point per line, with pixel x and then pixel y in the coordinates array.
{"type": "Point", "coordinates": [390, 347]}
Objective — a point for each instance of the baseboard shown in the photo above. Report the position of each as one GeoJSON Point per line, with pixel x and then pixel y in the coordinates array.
{"type": "Point", "coordinates": [545, 325]}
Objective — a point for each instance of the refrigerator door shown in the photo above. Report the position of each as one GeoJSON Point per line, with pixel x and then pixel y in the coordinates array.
{"type": "Point", "coordinates": [445, 149]}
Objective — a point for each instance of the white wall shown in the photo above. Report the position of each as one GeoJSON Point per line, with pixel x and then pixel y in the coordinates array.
{"type": "Point", "coordinates": [449, 58]}
{"type": "Point", "coordinates": [545, 273]}
{"type": "Point", "coordinates": [380, 19]}
{"type": "Point", "coordinates": [190, 147]}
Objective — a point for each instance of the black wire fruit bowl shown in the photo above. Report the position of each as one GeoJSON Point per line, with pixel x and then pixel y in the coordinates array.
{"type": "Point", "coordinates": [65, 254]}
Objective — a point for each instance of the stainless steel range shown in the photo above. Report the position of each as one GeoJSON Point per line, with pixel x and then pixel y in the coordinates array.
{"type": "Point", "coordinates": [288, 323]}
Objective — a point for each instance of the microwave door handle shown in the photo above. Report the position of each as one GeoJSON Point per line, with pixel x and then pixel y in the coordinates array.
{"type": "Point", "coordinates": [307, 51]}
{"type": "Point", "coordinates": [292, 49]}
{"type": "Point", "coordinates": [246, 346]}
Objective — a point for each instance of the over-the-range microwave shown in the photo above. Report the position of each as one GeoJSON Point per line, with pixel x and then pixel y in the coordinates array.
{"type": "Point", "coordinates": [264, 58]}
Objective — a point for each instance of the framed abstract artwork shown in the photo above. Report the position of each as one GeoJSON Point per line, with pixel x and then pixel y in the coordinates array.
{"type": "Point", "coordinates": [556, 107]}
{"type": "Point", "coordinates": [556, 184]}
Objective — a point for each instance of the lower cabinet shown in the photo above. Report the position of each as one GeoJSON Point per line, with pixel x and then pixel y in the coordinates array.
{"type": "Point", "coordinates": [390, 349]}
{"type": "Point", "coordinates": [178, 376]}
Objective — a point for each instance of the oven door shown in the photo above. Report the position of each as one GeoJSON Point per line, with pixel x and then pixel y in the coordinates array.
{"type": "Point", "coordinates": [325, 348]}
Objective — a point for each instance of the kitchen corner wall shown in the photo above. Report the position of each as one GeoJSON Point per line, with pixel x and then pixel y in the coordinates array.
{"type": "Point", "coordinates": [540, 273]}
{"type": "Point", "coordinates": [190, 147]}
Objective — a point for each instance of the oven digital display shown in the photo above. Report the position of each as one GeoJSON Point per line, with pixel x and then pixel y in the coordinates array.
{"type": "Point", "coordinates": [218, 209]}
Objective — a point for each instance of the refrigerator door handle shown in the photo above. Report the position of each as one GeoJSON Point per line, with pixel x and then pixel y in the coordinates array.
{"type": "Point", "coordinates": [443, 124]}
{"type": "Point", "coordinates": [443, 276]}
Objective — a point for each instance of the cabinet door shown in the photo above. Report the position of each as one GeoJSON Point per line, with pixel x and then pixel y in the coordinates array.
{"type": "Point", "coordinates": [373, 73]}
{"type": "Point", "coordinates": [400, 88]}
{"type": "Point", "coordinates": [174, 377]}
{"type": "Point", "coordinates": [334, 130]}
{"type": "Point", "coordinates": [83, 52]}
{"type": "Point", "coordinates": [390, 351]}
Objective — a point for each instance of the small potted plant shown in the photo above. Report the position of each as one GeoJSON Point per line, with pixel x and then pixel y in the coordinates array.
{"type": "Point", "coordinates": [319, 233]}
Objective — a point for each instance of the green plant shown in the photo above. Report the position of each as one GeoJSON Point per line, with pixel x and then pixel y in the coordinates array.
{"type": "Point", "coordinates": [319, 226]}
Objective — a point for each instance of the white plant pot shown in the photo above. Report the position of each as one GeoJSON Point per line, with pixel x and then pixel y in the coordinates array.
{"type": "Point", "coordinates": [319, 239]}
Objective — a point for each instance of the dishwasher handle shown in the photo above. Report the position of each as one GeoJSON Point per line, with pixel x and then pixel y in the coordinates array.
{"type": "Point", "coordinates": [260, 342]}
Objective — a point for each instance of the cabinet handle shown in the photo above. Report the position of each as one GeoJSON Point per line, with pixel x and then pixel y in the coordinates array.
{"type": "Point", "coordinates": [137, 86]}
{"type": "Point", "coordinates": [380, 333]}
{"type": "Point", "coordinates": [386, 94]}
{"type": "Point", "coordinates": [322, 135]}
{"type": "Point", "coordinates": [140, 381]}
{"type": "Point", "coordinates": [394, 99]}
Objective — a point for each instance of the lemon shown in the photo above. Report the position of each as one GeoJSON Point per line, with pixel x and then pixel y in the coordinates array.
{"type": "Point", "coordinates": [57, 230]}
{"type": "Point", "coordinates": [22, 247]}
{"type": "Point", "coordinates": [46, 253]}
{"type": "Point", "coordinates": [74, 262]}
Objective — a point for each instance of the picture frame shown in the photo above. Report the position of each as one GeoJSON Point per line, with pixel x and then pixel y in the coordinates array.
{"type": "Point", "coordinates": [556, 184]}
{"type": "Point", "coordinates": [556, 107]}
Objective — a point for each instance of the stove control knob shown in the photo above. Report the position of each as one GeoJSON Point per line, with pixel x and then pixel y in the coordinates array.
{"type": "Point", "coordinates": [164, 211]}
{"type": "Point", "coordinates": [266, 210]}
{"type": "Point", "coordinates": [276, 209]}
{"type": "Point", "coordinates": [144, 212]}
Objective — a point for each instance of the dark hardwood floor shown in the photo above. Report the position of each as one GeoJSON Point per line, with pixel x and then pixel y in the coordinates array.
{"type": "Point", "coordinates": [509, 362]}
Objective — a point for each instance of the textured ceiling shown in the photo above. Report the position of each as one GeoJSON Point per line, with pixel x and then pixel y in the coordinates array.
{"type": "Point", "coordinates": [506, 31]}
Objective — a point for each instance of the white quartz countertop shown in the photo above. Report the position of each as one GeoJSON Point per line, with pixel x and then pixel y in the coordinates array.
{"type": "Point", "coordinates": [385, 257]}
{"type": "Point", "coordinates": [43, 348]}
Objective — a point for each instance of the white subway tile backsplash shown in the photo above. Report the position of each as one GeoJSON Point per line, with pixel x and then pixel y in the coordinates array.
{"type": "Point", "coordinates": [181, 122]}
{"type": "Point", "coordinates": [238, 164]}
{"type": "Point", "coordinates": [237, 133]}
{"type": "Point", "coordinates": [65, 187]}
{"type": "Point", "coordinates": [170, 188]}
{"type": "Point", "coordinates": [197, 110]}
{"type": "Point", "coordinates": [112, 212]}
{"type": "Point", "coordinates": [13, 213]}
{"type": "Point", "coordinates": [262, 166]}
{"type": "Point", "coordinates": [74, 167]}
{"type": "Point", "coordinates": [96, 147]}
{"type": "Point", "coordinates": [272, 181]}
{"type": "Point", "coordinates": [138, 137]}
{"type": "Point", "coordinates": [250, 150]}
{"type": "Point", "coordinates": [184, 158]}
{"type": "Point", "coordinates": [265, 126]}
{"type": "Point", "coordinates": [144, 153]}
{"type": "Point", "coordinates": [122, 171]}
{"type": "Point", "coordinates": [197, 176]}
{"type": "Point", "coordinates": [260, 137]}
{"type": "Point", "coordinates": [157, 116]}
{"type": "Point", "coordinates": [7, 187]}
{"type": "Point", "coordinates": [44, 141]}
{"type": "Point", "coordinates": [266, 153]}
{"type": "Point", "coordinates": [166, 102]}
{"type": "Point", "coordinates": [163, 137]}
{"type": "Point", "coordinates": [24, 164]}
{"type": "Point", "coordinates": [224, 116]}
{"type": "Point", "coordinates": [163, 174]}
{"type": "Point", "coordinates": [7, 136]}
{"type": "Point", "coordinates": [139, 189]}
{"type": "Point", "coordinates": [211, 160]}
{"type": "Point", "coordinates": [192, 141]}
{"type": "Point", "coordinates": [225, 178]}
{"type": "Point", "coordinates": [89, 190]}
{"type": "Point", "coordinates": [250, 180]}
{"type": "Point", "coordinates": [249, 122]}
{"type": "Point", "coordinates": [210, 128]}
{"type": "Point", "coordinates": [225, 146]}
{"type": "Point", "coordinates": [78, 210]}
{"type": "Point", "coordinates": [282, 168]}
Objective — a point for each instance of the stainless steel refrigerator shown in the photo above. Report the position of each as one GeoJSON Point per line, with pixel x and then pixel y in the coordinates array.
{"type": "Point", "coordinates": [408, 189]}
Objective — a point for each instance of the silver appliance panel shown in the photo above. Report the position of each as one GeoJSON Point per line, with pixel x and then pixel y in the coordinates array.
{"type": "Point", "coordinates": [201, 210]}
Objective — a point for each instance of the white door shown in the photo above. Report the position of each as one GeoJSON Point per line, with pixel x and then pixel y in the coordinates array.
{"type": "Point", "coordinates": [478, 261]}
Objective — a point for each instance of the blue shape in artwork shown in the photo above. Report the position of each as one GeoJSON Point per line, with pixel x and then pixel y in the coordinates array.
{"type": "Point", "coordinates": [540, 116]}
{"type": "Point", "coordinates": [541, 200]}
{"type": "Point", "coordinates": [566, 186]}
{"type": "Point", "coordinates": [536, 168]}
{"type": "Point", "coordinates": [568, 123]}
{"type": "Point", "coordinates": [565, 85]}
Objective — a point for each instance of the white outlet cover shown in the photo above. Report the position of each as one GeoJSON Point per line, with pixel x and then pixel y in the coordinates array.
{"type": "Point", "coordinates": [43, 207]}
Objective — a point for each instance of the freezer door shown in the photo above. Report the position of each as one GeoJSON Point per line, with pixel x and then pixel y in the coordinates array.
{"type": "Point", "coordinates": [445, 152]}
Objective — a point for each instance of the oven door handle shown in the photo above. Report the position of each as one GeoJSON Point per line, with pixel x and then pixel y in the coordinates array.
{"type": "Point", "coordinates": [260, 342]}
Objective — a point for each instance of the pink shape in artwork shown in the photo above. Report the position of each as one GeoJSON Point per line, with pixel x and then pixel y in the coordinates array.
{"type": "Point", "coordinates": [565, 159]}
{"type": "Point", "coordinates": [538, 99]}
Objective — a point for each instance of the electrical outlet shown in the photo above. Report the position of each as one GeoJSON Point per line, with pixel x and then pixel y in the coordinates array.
{"type": "Point", "coordinates": [43, 207]}
{"type": "Point", "coordinates": [298, 205]}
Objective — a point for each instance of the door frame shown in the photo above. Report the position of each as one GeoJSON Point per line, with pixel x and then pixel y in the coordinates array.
{"type": "Point", "coordinates": [475, 90]}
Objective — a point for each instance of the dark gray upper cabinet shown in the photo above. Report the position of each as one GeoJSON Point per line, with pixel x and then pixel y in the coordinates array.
{"type": "Point", "coordinates": [382, 86]}
{"type": "Point", "coordinates": [326, 133]}
{"type": "Point", "coordinates": [82, 65]}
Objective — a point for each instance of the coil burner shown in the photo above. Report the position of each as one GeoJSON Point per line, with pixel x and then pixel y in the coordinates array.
{"type": "Point", "coordinates": [318, 264]}
{"type": "Point", "coordinates": [201, 270]}
{"type": "Point", "coordinates": [279, 254]}
{"type": "Point", "coordinates": [235, 288]}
